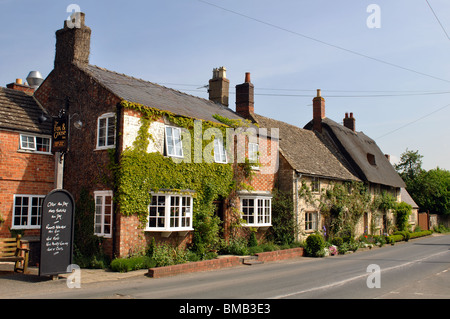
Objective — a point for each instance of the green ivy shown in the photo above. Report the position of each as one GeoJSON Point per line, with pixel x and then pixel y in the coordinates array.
{"type": "Point", "coordinates": [139, 173]}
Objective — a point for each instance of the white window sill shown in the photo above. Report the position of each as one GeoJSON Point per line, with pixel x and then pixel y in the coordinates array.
{"type": "Point", "coordinates": [102, 148]}
{"type": "Point", "coordinates": [167, 232]}
{"type": "Point", "coordinates": [259, 226]}
{"type": "Point", "coordinates": [21, 150]}
{"type": "Point", "coordinates": [25, 227]}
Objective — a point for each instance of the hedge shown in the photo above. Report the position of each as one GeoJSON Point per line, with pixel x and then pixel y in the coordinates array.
{"type": "Point", "coordinates": [400, 236]}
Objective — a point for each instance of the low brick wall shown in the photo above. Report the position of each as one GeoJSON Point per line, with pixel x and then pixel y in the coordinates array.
{"type": "Point", "coordinates": [280, 254]}
{"type": "Point", "coordinates": [204, 265]}
{"type": "Point", "coordinates": [222, 262]}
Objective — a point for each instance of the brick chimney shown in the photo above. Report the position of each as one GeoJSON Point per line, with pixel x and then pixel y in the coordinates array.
{"type": "Point", "coordinates": [73, 42]}
{"type": "Point", "coordinates": [245, 98]}
{"type": "Point", "coordinates": [349, 121]}
{"type": "Point", "coordinates": [19, 86]}
{"type": "Point", "coordinates": [219, 86]}
{"type": "Point", "coordinates": [318, 111]}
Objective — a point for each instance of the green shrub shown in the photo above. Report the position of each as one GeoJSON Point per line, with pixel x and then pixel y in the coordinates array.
{"type": "Point", "coordinates": [237, 246]}
{"type": "Point", "coordinates": [315, 245]}
{"type": "Point", "coordinates": [421, 233]}
{"type": "Point", "coordinates": [337, 241]}
{"type": "Point", "coordinates": [252, 242]}
{"type": "Point", "coordinates": [392, 239]}
{"type": "Point", "coordinates": [342, 249]}
{"type": "Point", "coordinates": [132, 263]}
{"type": "Point", "coordinates": [255, 249]}
{"type": "Point", "coordinates": [269, 247]}
{"type": "Point", "coordinates": [405, 234]}
{"type": "Point", "coordinates": [166, 255]}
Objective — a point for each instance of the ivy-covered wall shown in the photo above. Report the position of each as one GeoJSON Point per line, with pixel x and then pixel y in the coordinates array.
{"type": "Point", "coordinates": [138, 173]}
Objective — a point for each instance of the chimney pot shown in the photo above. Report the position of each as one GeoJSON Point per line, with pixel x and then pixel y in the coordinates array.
{"type": "Point", "coordinates": [19, 81]}
{"type": "Point", "coordinates": [349, 121]}
{"type": "Point", "coordinates": [219, 86]}
{"type": "Point", "coordinates": [247, 77]}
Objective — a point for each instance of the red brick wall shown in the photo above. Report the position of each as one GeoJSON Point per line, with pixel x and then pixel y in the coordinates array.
{"type": "Point", "coordinates": [21, 173]}
{"type": "Point", "coordinates": [206, 265]}
{"type": "Point", "coordinates": [84, 166]}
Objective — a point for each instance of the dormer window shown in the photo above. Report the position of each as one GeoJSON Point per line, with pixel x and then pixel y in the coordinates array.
{"type": "Point", "coordinates": [371, 159]}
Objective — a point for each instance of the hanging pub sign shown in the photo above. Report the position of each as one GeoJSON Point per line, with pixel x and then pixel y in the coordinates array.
{"type": "Point", "coordinates": [57, 222]}
{"type": "Point", "coordinates": [60, 134]}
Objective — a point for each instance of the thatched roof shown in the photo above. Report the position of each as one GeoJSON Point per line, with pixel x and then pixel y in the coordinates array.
{"type": "Point", "coordinates": [20, 112]}
{"type": "Point", "coordinates": [305, 152]}
{"type": "Point", "coordinates": [361, 152]}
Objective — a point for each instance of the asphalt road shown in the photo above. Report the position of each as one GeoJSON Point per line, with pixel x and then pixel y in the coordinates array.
{"type": "Point", "coordinates": [418, 269]}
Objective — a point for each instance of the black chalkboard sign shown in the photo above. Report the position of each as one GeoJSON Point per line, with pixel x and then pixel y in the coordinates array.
{"type": "Point", "coordinates": [58, 212]}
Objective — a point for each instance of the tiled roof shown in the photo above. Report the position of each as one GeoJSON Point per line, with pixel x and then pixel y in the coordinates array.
{"type": "Point", "coordinates": [20, 112]}
{"type": "Point", "coordinates": [305, 152]}
{"type": "Point", "coordinates": [153, 95]}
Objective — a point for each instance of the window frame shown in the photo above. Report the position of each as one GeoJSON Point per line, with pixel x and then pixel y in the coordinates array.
{"type": "Point", "coordinates": [175, 216]}
{"type": "Point", "coordinates": [29, 215]}
{"type": "Point", "coordinates": [315, 185]}
{"type": "Point", "coordinates": [311, 219]}
{"type": "Point", "coordinates": [35, 148]}
{"type": "Point", "coordinates": [262, 214]}
{"type": "Point", "coordinates": [107, 117]}
{"type": "Point", "coordinates": [103, 194]}
{"type": "Point", "coordinates": [222, 151]}
{"type": "Point", "coordinates": [166, 139]}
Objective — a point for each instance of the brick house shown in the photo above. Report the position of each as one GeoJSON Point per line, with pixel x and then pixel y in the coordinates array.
{"type": "Point", "coordinates": [118, 113]}
{"type": "Point", "coordinates": [26, 163]}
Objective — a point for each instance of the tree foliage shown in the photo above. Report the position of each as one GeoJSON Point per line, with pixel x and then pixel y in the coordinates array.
{"type": "Point", "coordinates": [429, 189]}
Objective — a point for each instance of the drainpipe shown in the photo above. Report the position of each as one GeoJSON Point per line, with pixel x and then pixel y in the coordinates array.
{"type": "Point", "coordinates": [297, 177]}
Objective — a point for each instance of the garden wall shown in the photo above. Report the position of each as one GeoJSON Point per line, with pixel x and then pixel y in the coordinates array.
{"type": "Point", "coordinates": [222, 262]}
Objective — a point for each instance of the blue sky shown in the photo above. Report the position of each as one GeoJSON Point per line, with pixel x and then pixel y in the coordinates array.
{"type": "Point", "coordinates": [395, 79]}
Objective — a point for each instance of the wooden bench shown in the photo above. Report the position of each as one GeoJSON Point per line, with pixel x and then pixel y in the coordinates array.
{"type": "Point", "coordinates": [11, 250]}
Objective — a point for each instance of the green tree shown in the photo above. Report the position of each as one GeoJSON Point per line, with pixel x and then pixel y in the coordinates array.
{"type": "Point", "coordinates": [432, 191]}
{"type": "Point", "coordinates": [429, 189]}
{"type": "Point", "coordinates": [410, 166]}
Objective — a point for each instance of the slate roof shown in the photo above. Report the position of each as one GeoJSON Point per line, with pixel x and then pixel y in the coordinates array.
{"type": "Point", "coordinates": [305, 152]}
{"type": "Point", "coordinates": [355, 146]}
{"type": "Point", "coordinates": [153, 95]}
{"type": "Point", "coordinates": [20, 112]}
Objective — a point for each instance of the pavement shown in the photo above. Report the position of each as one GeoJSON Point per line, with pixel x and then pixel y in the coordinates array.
{"type": "Point", "coordinates": [87, 275]}
{"type": "Point", "coordinates": [10, 279]}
